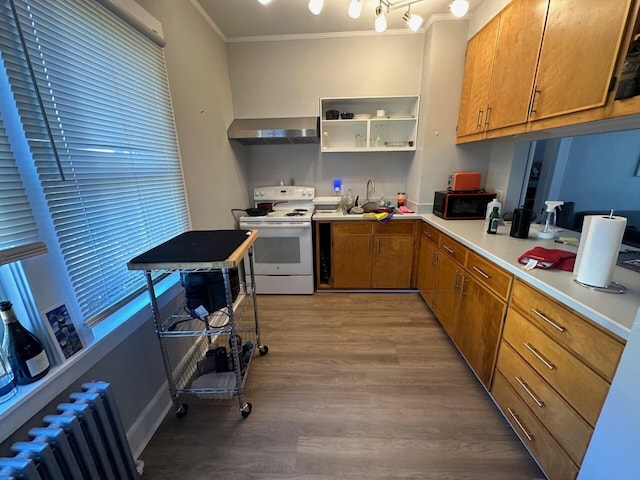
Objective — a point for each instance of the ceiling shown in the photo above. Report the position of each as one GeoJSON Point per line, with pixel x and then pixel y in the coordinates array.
{"type": "Point", "coordinates": [248, 18]}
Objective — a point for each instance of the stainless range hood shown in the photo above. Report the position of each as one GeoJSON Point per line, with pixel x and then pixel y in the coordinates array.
{"type": "Point", "coordinates": [275, 131]}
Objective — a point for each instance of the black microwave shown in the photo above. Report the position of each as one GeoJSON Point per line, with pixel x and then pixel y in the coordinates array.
{"type": "Point", "coordinates": [461, 205]}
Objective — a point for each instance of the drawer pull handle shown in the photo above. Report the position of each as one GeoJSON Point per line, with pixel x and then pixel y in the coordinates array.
{"type": "Point", "coordinates": [517, 420]}
{"type": "Point", "coordinates": [537, 354]}
{"type": "Point", "coordinates": [526, 388]}
{"type": "Point", "coordinates": [541, 315]}
{"type": "Point", "coordinates": [448, 250]}
{"type": "Point", "coordinates": [428, 234]}
{"type": "Point", "coordinates": [482, 273]}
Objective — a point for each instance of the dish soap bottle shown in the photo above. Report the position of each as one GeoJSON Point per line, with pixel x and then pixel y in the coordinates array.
{"type": "Point", "coordinates": [494, 220]}
{"type": "Point", "coordinates": [548, 227]}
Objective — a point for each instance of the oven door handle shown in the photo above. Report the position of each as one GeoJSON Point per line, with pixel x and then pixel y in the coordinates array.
{"type": "Point", "coordinates": [276, 225]}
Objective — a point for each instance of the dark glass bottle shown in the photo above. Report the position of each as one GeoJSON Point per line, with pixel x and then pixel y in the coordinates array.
{"type": "Point", "coordinates": [24, 351]}
{"type": "Point", "coordinates": [494, 220]}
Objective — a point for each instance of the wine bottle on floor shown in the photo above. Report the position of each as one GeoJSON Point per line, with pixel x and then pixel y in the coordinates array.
{"type": "Point", "coordinates": [24, 351]}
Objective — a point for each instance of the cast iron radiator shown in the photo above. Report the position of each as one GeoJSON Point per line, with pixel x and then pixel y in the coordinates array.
{"type": "Point", "coordinates": [85, 441]}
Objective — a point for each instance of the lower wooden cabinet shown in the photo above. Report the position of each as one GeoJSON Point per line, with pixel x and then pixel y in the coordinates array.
{"type": "Point", "coordinates": [446, 298]}
{"type": "Point", "coordinates": [367, 254]}
{"type": "Point", "coordinates": [427, 264]}
{"type": "Point", "coordinates": [540, 443]}
{"type": "Point", "coordinates": [554, 368]}
{"type": "Point", "coordinates": [480, 319]}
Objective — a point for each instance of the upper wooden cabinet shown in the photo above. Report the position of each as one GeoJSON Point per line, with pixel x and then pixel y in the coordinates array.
{"type": "Point", "coordinates": [500, 68]}
{"type": "Point", "coordinates": [514, 67]}
{"type": "Point", "coordinates": [578, 55]}
{"type": "Point", "coordinates": [477, 80]}
{"type": "Point", "coordinates": [547, 59]}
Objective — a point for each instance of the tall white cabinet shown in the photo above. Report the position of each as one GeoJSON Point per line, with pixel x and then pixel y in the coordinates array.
{"type": "Point", "coordinates": [378, 124]}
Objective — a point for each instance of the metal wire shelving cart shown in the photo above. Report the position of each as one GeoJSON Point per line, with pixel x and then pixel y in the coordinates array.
{"type": "Point", "coordinates": [199, 375]}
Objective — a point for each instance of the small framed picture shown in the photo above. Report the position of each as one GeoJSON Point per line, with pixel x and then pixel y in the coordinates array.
{"type": "Point", "coordinates": [67, 338]}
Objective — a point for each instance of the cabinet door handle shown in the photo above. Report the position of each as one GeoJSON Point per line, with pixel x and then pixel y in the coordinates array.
{"type": "Point", "coordinates": [451, 252]}
{"type": "Point", "coordinates": [464, 282]}
{"type": "Point", "coordinates": [486, 119]}
{"type": "Point", "coordinates": [378, 246]}
{"type": "Point", "coordinates": [517, 420]}
{"type": "Point", "coordinates": [539, 356]}
{"type": "Point", "coordinates": [434, 257]}
{"type": "Point", "coordinates": [541, 315]}
{"type": "Point", "coordinates": [485, 275]}
{"type": "Point", "coordinates": [455, 281]}
{"type": "Point", "coordinates": [369, 245]}
{"type": "Point", "coordinates": [533, 101]}
{"type": "Point", "coordinates": [526, 388]}
{"type": "Point", "coordinates": [479, 118]}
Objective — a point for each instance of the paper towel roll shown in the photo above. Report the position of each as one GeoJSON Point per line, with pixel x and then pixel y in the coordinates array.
{"type": "Point", "coordinates": [598, 251]}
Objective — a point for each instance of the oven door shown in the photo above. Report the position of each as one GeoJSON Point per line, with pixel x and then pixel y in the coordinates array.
{"type": "Point", "coordinates": [281, 248]}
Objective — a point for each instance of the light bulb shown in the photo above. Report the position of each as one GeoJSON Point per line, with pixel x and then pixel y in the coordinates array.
{"type": "Point", "coordinates": [381, 20]}
{"type": "Point", "coordinates": [315, 6]}
{"type": "Point", "coordinates": [413, 21]}
{"type": "Point", "coordinates": [264, 2]}
{"type": "Point", "coordinates": [355, 8]}
{"type": "Point", "coordinates": [459, 8]}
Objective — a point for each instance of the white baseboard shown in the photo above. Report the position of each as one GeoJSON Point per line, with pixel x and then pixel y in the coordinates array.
{"type": "Point", "coordinates": [142, 430]}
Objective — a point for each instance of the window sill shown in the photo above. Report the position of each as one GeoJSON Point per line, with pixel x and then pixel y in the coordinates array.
{"type": "Point", "coordinates": [32, 398]}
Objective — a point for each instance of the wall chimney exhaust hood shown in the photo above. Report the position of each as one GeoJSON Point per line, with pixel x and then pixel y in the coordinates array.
{"type": "Point", "coordinates": [275, 131]}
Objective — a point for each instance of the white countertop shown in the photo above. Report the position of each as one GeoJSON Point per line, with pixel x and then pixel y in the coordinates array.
{"type": "Point", "coordinates": [615, 312]}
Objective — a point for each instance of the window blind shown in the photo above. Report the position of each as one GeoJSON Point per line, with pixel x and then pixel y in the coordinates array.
{"type": "Point", "coordinates": [19, 234]}
{"type": "Point", "coordinates": [116, 187]}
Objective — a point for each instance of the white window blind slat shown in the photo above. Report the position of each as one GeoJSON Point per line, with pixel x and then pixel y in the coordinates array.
{"type": "Point", "coordinates": [105, 95]}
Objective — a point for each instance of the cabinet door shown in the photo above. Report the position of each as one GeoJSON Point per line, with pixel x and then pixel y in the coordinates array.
{"type": "Point", "coordinates": [480, 319]}
{"type": "Point", "coordinates": [579, 49]}
{"type": "Point", "coordinates": [392, 261]}
{"type": "Point", "coordinates": [477, 80]}
{"type": "Point", "coordinates": [351, 261]}
{"type": "Point", "coordinates": [514, 68]}
{"type": "Point", "coordinates": [445, 298]}
{"type": "Point", "coordinates": [427, 270]}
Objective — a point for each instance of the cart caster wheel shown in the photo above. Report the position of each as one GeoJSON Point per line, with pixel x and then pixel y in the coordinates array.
{"type": "Point", "coordinates": [263, 349]}
{"type": "Point", "coordinates": [182, 410]}
{"type": "Point", "coordinates": [245, 410]}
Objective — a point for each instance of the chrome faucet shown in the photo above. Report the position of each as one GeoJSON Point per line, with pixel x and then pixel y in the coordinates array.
{"type": "Point", "coordinates": [373, 189]}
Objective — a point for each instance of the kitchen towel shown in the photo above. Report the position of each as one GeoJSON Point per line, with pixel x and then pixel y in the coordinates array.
{"type": "Point", "coordinates": [598, 250]}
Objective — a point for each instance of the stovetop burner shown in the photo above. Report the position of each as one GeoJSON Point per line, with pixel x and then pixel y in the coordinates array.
{"type": "Point", "coordinates": [295, 213]}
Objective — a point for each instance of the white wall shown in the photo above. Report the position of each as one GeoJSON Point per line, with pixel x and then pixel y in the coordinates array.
{"type": "Point", "coordinates": [288, 78]}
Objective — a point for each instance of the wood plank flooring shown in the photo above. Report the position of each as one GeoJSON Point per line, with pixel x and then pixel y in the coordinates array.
{"type": "Point", "coordinates": [355, 386]}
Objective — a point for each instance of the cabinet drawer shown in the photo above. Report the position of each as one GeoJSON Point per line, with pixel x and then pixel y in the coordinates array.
{"type": "Point", "coordinates": [453, 249]}
{"type": "Point", "coordinates": [553, 460]}
{"type": "Point", "coordinates": [394, 227]}
{"type": "Point", "coordinates": [489, 275]}
{"type": "Point", "coordinates": [564, 423]}
{"type": "Point", "coordinates": [351, 228]}
{"type": "Point", "coordinates": [580, 386]}
{"type": "Point", "coordinates": [596, 348]}
{"type": "Point", "coordinates": [431, 233]}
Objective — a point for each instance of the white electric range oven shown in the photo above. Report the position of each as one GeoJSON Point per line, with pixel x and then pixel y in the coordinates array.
{"type": "Point", "coordinates": [283, 250]}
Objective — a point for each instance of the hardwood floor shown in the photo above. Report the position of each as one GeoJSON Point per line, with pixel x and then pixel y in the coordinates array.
{"type": "Point", "coordinates": [355, 386]}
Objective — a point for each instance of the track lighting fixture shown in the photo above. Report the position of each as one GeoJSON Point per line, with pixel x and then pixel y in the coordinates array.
{"type": "Point", "coordinates": [459, 8]}
{"type": "Point", "coordinates": [355, 8]}
{"type": "Point", "coordinates": [381, 20]}
{"type": "Point", "coordinates": [413, 21]}
{"type": "Point", "coordinates": [315, 6]}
